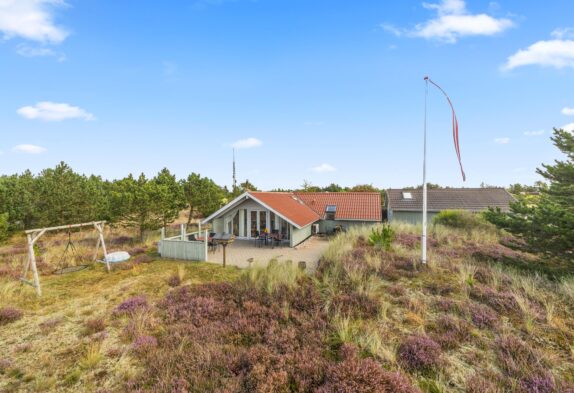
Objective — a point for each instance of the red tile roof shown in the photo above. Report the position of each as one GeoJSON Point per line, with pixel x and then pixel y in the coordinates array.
{"type": "Point", "coordinates": [362, 206]}
{"type": "Point", "coordinates": [287, 205]}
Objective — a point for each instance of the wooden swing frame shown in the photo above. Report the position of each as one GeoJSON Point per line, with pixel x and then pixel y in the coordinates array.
{"type": "Point", "coordinates": [34, 234]}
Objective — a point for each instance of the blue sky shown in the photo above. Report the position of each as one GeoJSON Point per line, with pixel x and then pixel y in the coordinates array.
{"type": "Point", "coordinates": [322, 90]}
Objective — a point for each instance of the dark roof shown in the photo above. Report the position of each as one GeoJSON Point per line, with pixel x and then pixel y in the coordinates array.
{"type": "Point", "coordinates": [360, 206]}
{"type": "Point", "coordinates": [472, 199]}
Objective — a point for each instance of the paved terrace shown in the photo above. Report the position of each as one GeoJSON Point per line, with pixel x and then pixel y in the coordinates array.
{"type": "Point", "coordinates": [244, 253]}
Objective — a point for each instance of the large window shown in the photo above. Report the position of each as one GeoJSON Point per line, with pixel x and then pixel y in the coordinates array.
{"type": "Point", "coordinates": [245, 229]}
{"type": "Point", "coordinates": [253, 223]}
{"type": "Point", "coordinates": [272, 221]}
{"type": "Point", "coordinates": [285, 229]}
{"type": "Point", "coordinates": [262, 221]}
{"type": "Point", "coordinates": [236, 224]}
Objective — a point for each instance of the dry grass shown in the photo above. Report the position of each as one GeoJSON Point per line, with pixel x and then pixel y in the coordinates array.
{"type": "Point", "coordinates": [52, 348]}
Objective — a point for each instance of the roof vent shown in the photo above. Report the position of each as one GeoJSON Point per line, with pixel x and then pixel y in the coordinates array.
{"type": "Point", "coordinates": [407, 195]}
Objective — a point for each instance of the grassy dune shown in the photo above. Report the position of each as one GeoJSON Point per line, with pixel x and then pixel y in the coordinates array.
{"type": "Point", "coordinates": [480, 317]}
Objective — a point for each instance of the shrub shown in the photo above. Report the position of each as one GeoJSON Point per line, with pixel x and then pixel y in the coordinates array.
{"type": "Point", "coordinates": [538, 383]}
{"type": "Point", "coordinates": [355, 375]}
{"type": "Point", "coordinates": [142, 258]}
{"type": "Point", "coordinates": [131, 305]}
{"type": "Point", "coordinates": [94, 326]}
{"type": "Point", "coordinates": [4, 226]}
{"type": "Point", "coordinates": [516, 358]}
{"type": "Point", "coordinates": [419, 353]}
{"type": "Point", "coordinates": [143, 344]}
{"type": "Point", "coordinates": [482, 316]}
{"type": "Point", "coordinates": [382, 237]}
{"type": "Point", "coordinates": [450, 332]}
{"type": "Point", "coordinates": [9, 315]}
{"type": "Point", "coordinates": [461, 219]}
{"type": "Point", "coordinates": [174, 280]}
{"type": "Point", "coordinates": [355, 305]}
{"type": "Point", "coordinates": [503, 302]}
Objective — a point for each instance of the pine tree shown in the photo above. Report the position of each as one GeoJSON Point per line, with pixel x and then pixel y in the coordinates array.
{"type": "Point", "coordinates": [546, 222]}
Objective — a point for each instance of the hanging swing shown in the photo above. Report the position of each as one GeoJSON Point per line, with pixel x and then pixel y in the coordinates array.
{"type": "Point", "coordinates": [70, 250]}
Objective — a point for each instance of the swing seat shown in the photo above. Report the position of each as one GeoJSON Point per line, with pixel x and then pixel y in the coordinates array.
{"type": "Point", "coordinates": [116, 257]}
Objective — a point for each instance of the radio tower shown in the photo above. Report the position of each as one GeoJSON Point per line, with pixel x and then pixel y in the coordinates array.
{"type": "Point", "coordinates": [234, 178]}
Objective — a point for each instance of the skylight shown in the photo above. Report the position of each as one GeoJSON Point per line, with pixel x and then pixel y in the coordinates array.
{"type": "Point", "coordinates": [407, 195]}
{"type": "Point", "coordinates": [331, 209]}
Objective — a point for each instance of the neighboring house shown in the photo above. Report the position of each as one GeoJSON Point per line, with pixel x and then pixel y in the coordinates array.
{"type": "Point", "coordinates": [406, 205]}
{"type": "Point", "coordinates": [294, 214]}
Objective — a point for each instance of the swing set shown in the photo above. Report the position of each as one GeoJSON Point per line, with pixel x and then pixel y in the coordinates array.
{"type": "Point", "coordinates": [34, 234]}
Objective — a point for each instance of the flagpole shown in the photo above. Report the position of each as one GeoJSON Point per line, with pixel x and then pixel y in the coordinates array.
{"type": "Point", "coordinates": [424, 234]}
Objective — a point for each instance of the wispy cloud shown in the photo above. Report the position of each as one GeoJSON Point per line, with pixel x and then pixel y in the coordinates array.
{"type": "Point", "coordinates": [31, 20]}
{"type": "Point", "coordinates": [568, 127]}
{"type": "Point", "coordinates": [557, 52]}
{"type": "Point", "coordinates": [502, 141]}
{"type": "Point", "coordinates": [568, 111]}
{"type": "Point", "coordinates": [53, 111]}
{"type": "Point", "coordinates": [248, 143]}
{"type": "Point", "coordinates": [323, 168]}
{"type": "Point", "coordinates": [534, 133]}
{"type": "Point", "coordinates": [31, 51]}
{"type": "Point", "coordinates": [29, 149]}
{"type": "Point", "coordinates": [452, 21]}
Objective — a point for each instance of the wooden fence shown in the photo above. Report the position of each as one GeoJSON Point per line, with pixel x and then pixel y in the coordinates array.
{"type": "Point", "coordinates": [179, 247]}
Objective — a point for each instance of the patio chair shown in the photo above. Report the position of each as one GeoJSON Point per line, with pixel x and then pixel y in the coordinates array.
{"type": "Point", "coordinates": [261, 240]}
{"type": "Point", "coordinates": [192, 238]}
{"type": "Point", "coordinates": [277, 240]}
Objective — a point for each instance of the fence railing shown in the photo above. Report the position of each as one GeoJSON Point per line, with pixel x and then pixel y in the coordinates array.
{"type": "Point", "coordinates": [180, 247]}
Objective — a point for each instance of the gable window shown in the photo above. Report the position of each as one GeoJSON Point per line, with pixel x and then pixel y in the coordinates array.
{"type": "Point", "coordinates": [407, 195]}
{"type": "Point", "coordinates": [330, 211]}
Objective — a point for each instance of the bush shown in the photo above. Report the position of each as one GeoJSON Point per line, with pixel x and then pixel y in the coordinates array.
{"type": "Point", "coordinates": [9, 314]}
{"type": "Point", "coordinates": [355, 375]}
{"type": "Point", "coordinates": [131, 305]}
{"type": "Point", "coordinates": [461, 219]}
{"type": "Point", "coordinates": [419, 353]}
{"type": "Point", "coordinates": [3, 226]}
{"type": "Point", "coordinates": [382, 237]}
{"type": "Point", "coordinates": [94, 326]}
{"type": "Point", "coordinates": [174, 281]}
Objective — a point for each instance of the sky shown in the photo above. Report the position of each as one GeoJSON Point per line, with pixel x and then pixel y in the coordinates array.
{"type": "Point", "coordinates": [317, 90]}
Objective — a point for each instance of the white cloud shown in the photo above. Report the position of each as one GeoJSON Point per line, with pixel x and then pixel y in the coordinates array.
{"type": "Point", "coordinates": [323, 168]}
{"type": "Point", "coordinates": [502, 141]}
{"type": "Point", "coordinates": [568, 111]}
{"type": "Point", "coordinates": [534, 133]}
{"type": "Point", "coordinates": [558, 52]}
{"type": "Point", "coordinates": [452, 22]}
{"type": "Point", "coordinates": [53, 111]}
{"type": "Point", "coordinates": [568, 127]}
{"type": "Point", "coordinates": [31, 51]}
{"type": "Point", "coordinates": [29, 149]}
{"type": "Point", "coordinates": [31, 20]}
{"type": "Point", "coordinates": [247, 143]}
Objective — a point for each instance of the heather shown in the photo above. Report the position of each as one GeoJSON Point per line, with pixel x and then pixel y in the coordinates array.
{"type": "Point", "coordinates": [369, 318]}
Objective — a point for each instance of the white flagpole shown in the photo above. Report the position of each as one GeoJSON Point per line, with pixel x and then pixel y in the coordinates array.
{"type": "Point", "coordinates": [424, 234]}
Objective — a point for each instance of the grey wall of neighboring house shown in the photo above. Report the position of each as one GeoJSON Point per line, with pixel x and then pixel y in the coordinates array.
{"type": "Point", "coordinates": [410, 217]}
{"type": "Point", "coordinates": [327, 226]}
{"type": "Point", "coordinates": [299, 235]}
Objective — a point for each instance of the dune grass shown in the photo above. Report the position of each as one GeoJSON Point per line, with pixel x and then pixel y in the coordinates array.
{"type": "Point", "coordinates": [479, 317]}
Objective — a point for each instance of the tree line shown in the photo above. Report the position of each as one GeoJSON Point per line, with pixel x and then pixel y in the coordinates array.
{"type": "Point", "coordinates": [60, 196]}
